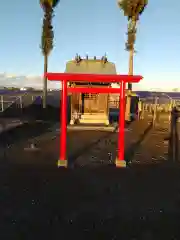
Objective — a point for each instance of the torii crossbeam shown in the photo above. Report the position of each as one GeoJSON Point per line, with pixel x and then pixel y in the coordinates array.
{"type": "Point", "coordinates": [76, 77]}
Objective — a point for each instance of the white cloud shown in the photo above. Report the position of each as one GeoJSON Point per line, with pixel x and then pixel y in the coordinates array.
{"type": "Point", "coordinates": [164, 82]}
{"type": "Point", "coordinates": [25, 81]}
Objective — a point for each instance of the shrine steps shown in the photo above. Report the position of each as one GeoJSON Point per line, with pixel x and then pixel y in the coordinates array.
{"type": "Point", "coordinates": [92, 127]}
{"type": "Point", "coordinates": [94, 119]}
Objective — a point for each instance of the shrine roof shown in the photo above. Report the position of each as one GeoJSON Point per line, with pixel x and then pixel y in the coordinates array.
{"type": "Point", "coordinates": [90, 66]}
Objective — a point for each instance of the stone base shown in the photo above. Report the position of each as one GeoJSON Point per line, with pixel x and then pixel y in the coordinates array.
{"type": "Point", "coordinates": [62, 163]}
{"type": "Point", "coordinates": [71, 122]}
{"type": "Point", "coordinates": [120, 163]}
{"type": "Point", "coordinates": [31, 148]}
{"type": "Point", "coordinates": [107, 122]}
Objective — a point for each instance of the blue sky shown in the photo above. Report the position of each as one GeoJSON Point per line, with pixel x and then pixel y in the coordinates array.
{"type": "Point", "coordinates": [92, 27]}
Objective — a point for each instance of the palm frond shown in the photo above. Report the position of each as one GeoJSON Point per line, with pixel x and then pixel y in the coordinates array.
{"type": "Point", "coordinates": [47, 31]}
{"type": "Point", "coordinates": [132, 8]}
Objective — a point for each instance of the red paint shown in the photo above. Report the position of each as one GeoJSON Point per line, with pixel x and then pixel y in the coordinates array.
{"type": "Point", "coordinates": [65, 77]}
{"type": "Point", "coordinates": [121, 123]}
{"type": "Point", "coordinates": [93, 90]}
{"type": "Point", "coordinates": [63, 116]}
{"type": "Point", "coordinates": [92, 77]}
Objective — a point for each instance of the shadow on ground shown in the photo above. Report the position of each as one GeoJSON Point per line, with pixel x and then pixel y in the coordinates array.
{"type": "Point", "coordinates": [107, 137]}
{"type": "Point", "coordinates": [35, 110]}
{"type": "Point", "coordinates": [142, 202]}
{"type": "Point", "coordinates": [23, 133]}
{"type": "Point", "coordinates": [32, 112]}
{"type": "Point", "coordinates": [39, 201]}
{"type": "Point", "coordinates": [129, 153]}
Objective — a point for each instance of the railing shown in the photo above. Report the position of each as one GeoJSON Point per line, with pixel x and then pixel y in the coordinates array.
{"type": "Point", "coordinates": [6, 100]}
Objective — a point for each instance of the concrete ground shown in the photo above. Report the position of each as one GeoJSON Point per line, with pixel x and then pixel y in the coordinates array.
{"type": "Point", "coordinates": [40, 201]}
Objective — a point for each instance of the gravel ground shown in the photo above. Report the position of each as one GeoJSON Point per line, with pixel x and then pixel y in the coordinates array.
{"type": "Point", "coordinates": [99, 203]}
{"type": "Point", "coordinates": [39, 201]}
{"type": "Point", "coordinates": [155, 152]}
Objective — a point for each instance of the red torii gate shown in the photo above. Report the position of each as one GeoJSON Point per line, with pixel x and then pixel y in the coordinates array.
{"type": "Point", "coordinates": [70, 77]}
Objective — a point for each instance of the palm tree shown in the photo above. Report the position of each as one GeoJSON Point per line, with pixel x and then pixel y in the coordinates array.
{"type": "Point", "coordinates": [132, 10]}
{"type": "Point", "coordinates": [47, 39]}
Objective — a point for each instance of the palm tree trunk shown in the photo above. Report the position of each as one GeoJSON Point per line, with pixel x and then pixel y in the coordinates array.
{"type": "Point", "coordinates": [45, 81]}
{"type": "Point", "coordinates": [128, 99]}
{"type": "Point", "coordinates": [131, 57]}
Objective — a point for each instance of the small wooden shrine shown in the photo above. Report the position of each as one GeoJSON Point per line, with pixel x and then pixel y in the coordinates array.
{"type": "Point", "coordinates": [90, 108]}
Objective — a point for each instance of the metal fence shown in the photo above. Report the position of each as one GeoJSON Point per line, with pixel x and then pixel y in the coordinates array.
{"type": "Point", "coordinates": [21, 100]}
